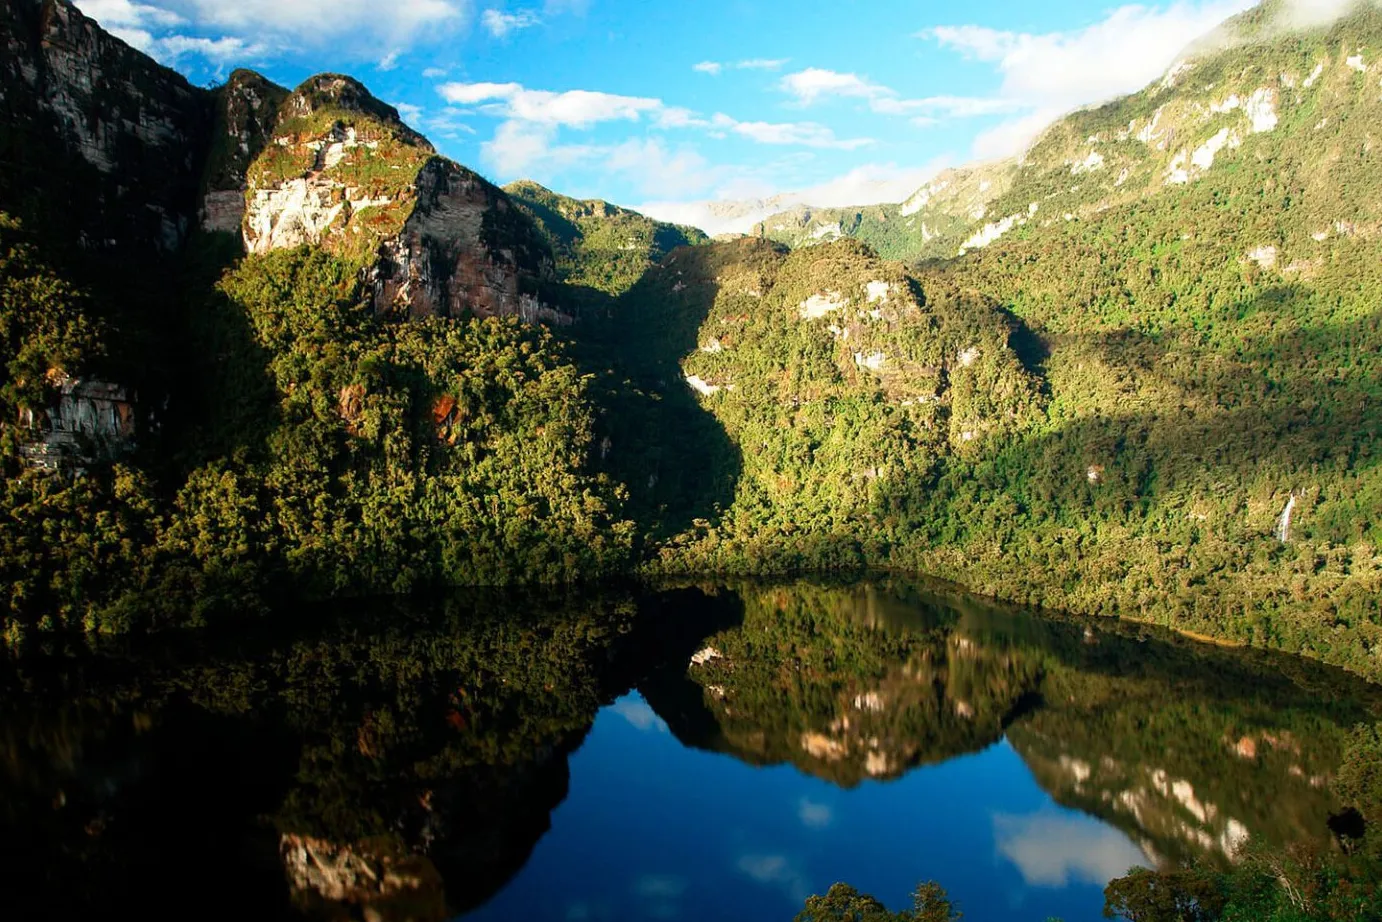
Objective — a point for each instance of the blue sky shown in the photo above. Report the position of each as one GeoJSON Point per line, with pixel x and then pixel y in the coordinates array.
{"type": "Point", "coordinates": [668, 105]}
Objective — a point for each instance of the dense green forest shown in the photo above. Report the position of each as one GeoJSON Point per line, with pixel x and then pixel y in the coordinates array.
{"type": "Point", "coordinates": [1155, 343]}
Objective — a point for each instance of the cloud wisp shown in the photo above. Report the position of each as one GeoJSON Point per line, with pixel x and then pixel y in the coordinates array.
{"type": "Point", "coordinates": [500, 24]}
{"type": "Point", "coordinates": [715, 68]}
{"type": "Point", "coordinates": [528, 139]}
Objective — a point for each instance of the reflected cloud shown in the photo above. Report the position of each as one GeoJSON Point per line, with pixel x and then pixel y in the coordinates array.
{"type": "Point", "coordinates": [637, 712]}
{"type": "Point", "coordinates": [1051, 850]}
{"type": "Point", "coordinates": [814, 815]}
{"type": "Point", "coordinates": [661, 895]}
{"type": "Point", "coordinates": [778, 871]}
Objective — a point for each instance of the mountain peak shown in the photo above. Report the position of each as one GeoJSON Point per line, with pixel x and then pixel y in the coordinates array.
{"type": "Point", "coordinates": [337, 96]}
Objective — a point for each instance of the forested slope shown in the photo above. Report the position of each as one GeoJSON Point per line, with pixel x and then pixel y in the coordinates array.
{"type": "Point", "coordinates": [367, 369]}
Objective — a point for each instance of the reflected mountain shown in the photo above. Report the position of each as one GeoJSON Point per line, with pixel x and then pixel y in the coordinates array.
{"type": "Point", "coordinates": [845, 684]}
{"type": "Point", "coordinates": [402, 760]}
{"type": "Point", "coordinates": [400, 764]}
{"type": "Point", "coordinates": [1190, 749]}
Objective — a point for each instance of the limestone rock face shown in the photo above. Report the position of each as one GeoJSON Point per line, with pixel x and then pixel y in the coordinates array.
{"type": "Point", "coordinates": [96, 133]}
{"type": "Point", "coordinates": [465, 248]}
{"type": "Point", "coordinates": [334, 168]}
{"type": "Point", "coordinates": [247, 111]}
{"type": "Point", "coordinates": [103, 144]}
{"type": "Point", "coordinates": [383, 884]}
{"type": "Point", "coordinates": [341, 170]}
{"type": "Point", "coordinates": [85, 422]}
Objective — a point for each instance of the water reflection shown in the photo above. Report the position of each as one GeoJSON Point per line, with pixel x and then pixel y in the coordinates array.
{"type": "Point", "coordinates": [405, 762]}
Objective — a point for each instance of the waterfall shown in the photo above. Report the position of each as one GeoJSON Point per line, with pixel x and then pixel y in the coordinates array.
{"type": "Point", "coordinates": [1283, 524]}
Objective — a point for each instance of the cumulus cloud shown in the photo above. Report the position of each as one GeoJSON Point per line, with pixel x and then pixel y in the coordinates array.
{"type": "Point", "coordinates": [499, 24]}
{"type": "Point", "coordinates": [708, 67]}
{"type": "Point", "coordinates": [1051, 849]}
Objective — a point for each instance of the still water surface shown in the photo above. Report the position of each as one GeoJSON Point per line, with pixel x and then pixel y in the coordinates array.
{"type": "Point", "coordinates": [705, 752]}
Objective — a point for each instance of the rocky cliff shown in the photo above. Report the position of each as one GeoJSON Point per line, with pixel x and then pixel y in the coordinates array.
{"type": "Point", "coordinates": [113, 163]}
{"type": "Point", "coordinates": [99, 142]}
{"type": "Point", "coordinates": [108, 149]}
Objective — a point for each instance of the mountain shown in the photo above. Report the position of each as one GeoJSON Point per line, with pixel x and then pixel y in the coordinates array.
{"type": "Point", "coordinates": [1257, 81]}
{"type": "Point", "coordinates": [267, 326]}
{"type": "Point", "coordinates": [929, 224]}
{"type": "Point", "coordinates": [725, 218]}
{"type": "Point", "coordinates": [307, 355]}
{"type": "Point", "coordinates": [598, 245]}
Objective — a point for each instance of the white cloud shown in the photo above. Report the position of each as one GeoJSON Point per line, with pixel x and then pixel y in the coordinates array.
{"type": "Point", "coordinates": [1051, 849]}
{"type": "Point", "coordinates": [1121, 54]}
{"type": "Point", "coordinates": [761, 64]}
{"type": "Point", "coordinates": [637, 712]}
{"type": "Point", "coordinates": [173, 49]}
{"type": "Point", "coordinates": [947, 106]}
{"type": "Point", "coordinates": [1307, 13]}
{"type": "Point", "coordinates": [814, 815]}
{"type": "Point", "coordinates": [573, 108]}
{"type": "Point", "coordinates": [715, 67]}
{"type": "Point", "coordinates": [467, 94]}
{"type": "Point", "coordinates": [1014, 135]}
{"type": "Point", "coordinates": [655, 167]}
{"type": "Point", "coordinates": [410, 113]}
{"type": "Point", "coordinates": [871, 184]}
{"type": "Point", "coordinates": [814, 84]}
{"type": "Point", "coordinates": [125, 14]}
{"type": "Point", "coordinates": [389, 61]}
{"type": "Point", "coordinates": [434, 73]}
{"type": "Point", "coordinates": [500, 24]}
{"type": "Point", "coordinates": [220, 51]}
{"type": "Point", "coordinates": [1044, 76]}
{"type": "Point", "coordinates": [804, 134]}
{"type": "Point", "coordinates": [649, 164]}
{"type": "Point", "coordinates": [777, 871]}
{"type": "Point", "coordinates": [350, 27]}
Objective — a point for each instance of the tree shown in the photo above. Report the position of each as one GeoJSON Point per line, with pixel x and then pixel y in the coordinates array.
{"type": "Point", "coordinates": [1165, 896]}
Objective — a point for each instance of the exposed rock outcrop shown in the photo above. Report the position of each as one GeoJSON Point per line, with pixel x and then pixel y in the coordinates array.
{"type": "Point", "coordinates": [339, 169]}
{"type": "Point", "coordinates": [247, 112]}
{"type": "Point", "coordinates": [85, 422]}
{"type": "Point", "coordinates": [465, 248]}
{"type": "Point", "coordinates": [364, 875]}
{"type": "Point", "coordinates": [97, 139]}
